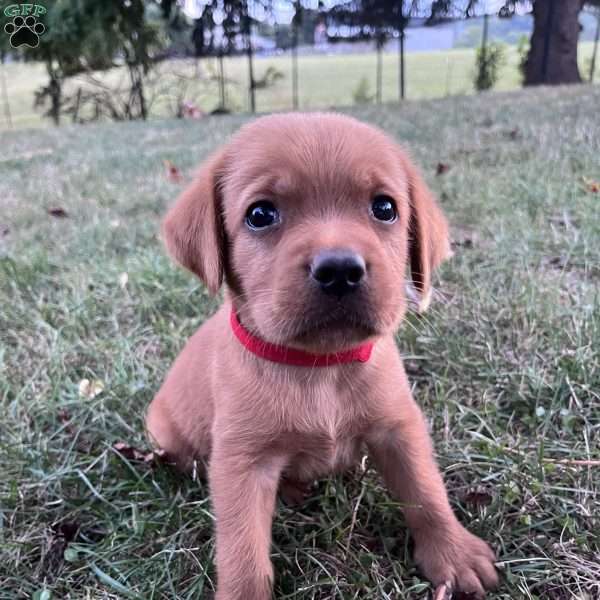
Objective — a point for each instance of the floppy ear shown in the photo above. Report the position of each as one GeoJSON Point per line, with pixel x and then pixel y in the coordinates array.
{"type": "Point", "coordinates": [192, 230]}
{"type": "Point", "coordinates": [429, 243]}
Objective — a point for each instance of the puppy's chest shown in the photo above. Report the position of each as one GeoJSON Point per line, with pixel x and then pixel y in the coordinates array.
{"type": "Point", "coordinates": [318, 455]}
{"type": "Point", "coordinates": [324, 436]}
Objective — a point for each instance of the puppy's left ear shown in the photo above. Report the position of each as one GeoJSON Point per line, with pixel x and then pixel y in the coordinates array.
{"type": "Point", "coordinates": [429, 242]}
{"type": "Point", "coordinates": [192, 230]}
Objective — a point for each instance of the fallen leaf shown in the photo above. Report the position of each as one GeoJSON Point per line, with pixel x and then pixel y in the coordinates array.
{"type": "Point", "coordinates": [65, 529]}
{"type": "Point", "coordinates": [478, 497]}
{"type": "Point", "coordinates": [190, 111]}
{"type": "Point", "coordinates": [58, 212]}
{"type": "Point", "coordinates": [132, 453]}
{"type": "Point", "coordinates": [591, 185]}
{"type": "Point", "coordinates": [173, 173]}
{"type": "Point", "coordinates": [65, 419]}
{"type": "Point", "coordinates": [413, 367]}
{"type": "Point", "coordinates": [514, 134]}
{"type": "Point", "coordinates": [128, 452]}
{"type": "Point", "coordinates": [123, 279]}
{"type": "Point", "coordinates": [154, 456]}
{"type": "Point", "coordinates": [64, 416]}
{"type": "Point", "coordinates": [466, 243]}
{"type": "Point", "coordinates": [4, 230]}
{"type": "Point", "coordinates": [57, 542]}
{"type": "Point", "coordinates": [90, 389]}
{"type": "Point", "coordinates": [442, 168]}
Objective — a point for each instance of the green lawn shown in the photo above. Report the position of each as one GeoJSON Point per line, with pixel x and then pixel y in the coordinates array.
{"type": "Point", "coordinates": [506, 364]}
{"type": "Point", "coordinates": [325, 81]}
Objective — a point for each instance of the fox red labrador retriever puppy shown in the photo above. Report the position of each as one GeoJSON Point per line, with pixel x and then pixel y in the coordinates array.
{"type": "Point", "coordinates": [311, 221]}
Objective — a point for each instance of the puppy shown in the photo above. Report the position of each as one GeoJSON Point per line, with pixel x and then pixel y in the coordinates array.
{"type": "Point", "coordinates": [311, 221]}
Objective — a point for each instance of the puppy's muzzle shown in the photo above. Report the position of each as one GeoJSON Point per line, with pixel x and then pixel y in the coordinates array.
{"type": "Point", "coordinates": [338, 272]}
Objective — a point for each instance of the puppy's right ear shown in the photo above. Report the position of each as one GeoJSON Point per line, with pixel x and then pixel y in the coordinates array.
{"type": "Point", "coordinates": [429, 243]}
{"type": "Point", "coordinates": [192, 230]}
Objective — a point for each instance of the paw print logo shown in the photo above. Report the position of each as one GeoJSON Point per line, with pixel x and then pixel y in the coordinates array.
{"type": "Point", "coordinates": [24, 31]}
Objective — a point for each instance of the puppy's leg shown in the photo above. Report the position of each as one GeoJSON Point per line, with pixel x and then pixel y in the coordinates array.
{"type": "Point", "coordinates": [444, 549]}
{"type": "Point", "coordinates": [243, 490]}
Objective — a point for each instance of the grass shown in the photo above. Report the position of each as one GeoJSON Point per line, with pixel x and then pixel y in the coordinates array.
{"type": "Point", "coordinates": [324, 80]}
{"type": "Point", "coordinates": [506, 365]}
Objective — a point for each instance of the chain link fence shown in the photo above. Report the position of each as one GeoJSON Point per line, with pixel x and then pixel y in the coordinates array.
{"type": "Point", "coordinates": [439, 61]}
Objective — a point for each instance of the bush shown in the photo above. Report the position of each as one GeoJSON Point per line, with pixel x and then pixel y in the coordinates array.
{"type": "Point", "coordinates": [523, 52]}
{"type": "Point", "coordinates": [361, 93]}
{"type": "Point", "coordinates": [489, 61]}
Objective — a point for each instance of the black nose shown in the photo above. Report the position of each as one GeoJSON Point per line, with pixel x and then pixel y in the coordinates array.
{"type": "Point", "coordinates": [338, 272]}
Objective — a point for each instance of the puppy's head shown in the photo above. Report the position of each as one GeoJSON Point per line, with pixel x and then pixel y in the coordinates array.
{"type": "Point", "coordinates": [312, 220]}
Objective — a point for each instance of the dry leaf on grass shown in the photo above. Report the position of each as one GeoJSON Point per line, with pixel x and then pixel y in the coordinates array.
{"type": "Point", "coordinates": [190, 111]}
{"type": "Point", "coordinates": [442, 168]}
{"type": "Point", "coordinates": [514, 134]}
{"type": "Point", "coordinates": [173, 173]}
{"type": "Point", "coordinates": [90, 389]}
{"type": "Point", "coordinates": [465, 243]}
{"type": "Point", "coordinates": [58, 212]}
{"type": "Point", "coordinates": [132, 453]}
{"type": "Point", "coordinates": [591, 185]}
{"type": "Point", "coordinates": [478, 497]}
{"type": "Point", "coordinates": [66, 530]}
{"type": "Point", "coordinates": [65, 419]}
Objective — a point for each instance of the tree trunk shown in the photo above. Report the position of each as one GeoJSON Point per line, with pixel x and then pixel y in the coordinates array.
{"type": "Point", "coordinates": [595, 51]}
{"type": "Point", "coordinates": [401, 61]}
{"type": "Point", "coordinates": [222, 98]}
{"type": "Point", "coordinates": [552, 56]}
{"type": "Point", "coordinates": [379, 74]}
{"type": "Point", "coordinates": [295, 102]}
{"type": "Point", "coordinates": [55, 99]}
{"type": "Point", "coordinates": [250, 55]}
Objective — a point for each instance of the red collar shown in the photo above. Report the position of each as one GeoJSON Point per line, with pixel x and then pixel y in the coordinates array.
{"type": "Point", "coordinates": [292, 356]}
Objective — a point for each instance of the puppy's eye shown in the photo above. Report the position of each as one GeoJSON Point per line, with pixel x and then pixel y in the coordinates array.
{"type": "Point", "coordinates": [262, 214]}
{"type": "Point", "coordinates": [383, 208]}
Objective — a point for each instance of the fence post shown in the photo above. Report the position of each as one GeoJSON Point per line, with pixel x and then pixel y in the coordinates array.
{"type": "Point", "coordinates": [402, 85]}
{"type": "Point", "coordinates": [402, 22]}
{"type": "Point", "coordinates": [484, 38]}
{"type": "Point", "coordinates": [295, 64]}
{"type": "Point", "coordinates": [448, 75]}
{"type": "Point", "coordinates": [251, 84]}
{"type": "Point", "coordinates": [223, 99]}
{"type": "Point", "coordinates": [595, 51]}
{"type": "Point", "coordinates": [379, 83]}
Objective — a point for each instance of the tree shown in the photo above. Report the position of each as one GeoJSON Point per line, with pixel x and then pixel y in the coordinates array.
{"type": "Point", "coordinates": [61, 49]}
{"type": "Point", "coordinates": [83, 36]}
{"type": "Point", "coordinates": [377, 20]}
{"type": "Point", "coordinates": [552, 57]}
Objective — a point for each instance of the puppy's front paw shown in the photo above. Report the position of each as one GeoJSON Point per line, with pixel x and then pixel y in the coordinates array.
{"type": "Point", "coordinates": [457, 558]}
